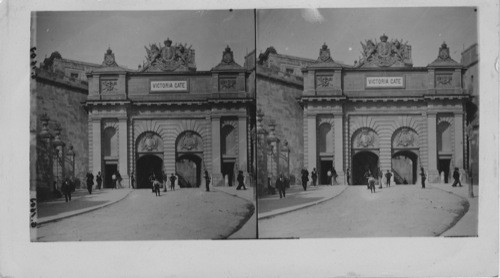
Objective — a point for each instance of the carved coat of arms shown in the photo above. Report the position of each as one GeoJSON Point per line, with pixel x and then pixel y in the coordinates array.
{"type": "Point", "coordinates": [189, 142]}
{"type": "Point", "coordinates": [365, 139]}
{"type": "Point", "coordinates": [385, 53]}
{"type": "Point", "coordinates": [168, 57]}
{"type": "Point", "coordinates": [149, 143]}
{"type": "Point", "coordinates": [406, 138]}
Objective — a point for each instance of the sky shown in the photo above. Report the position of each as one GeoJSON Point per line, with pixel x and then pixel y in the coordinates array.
{"type": "Point", "coordinates": [86, 35]}
{"type": "Point", "coordinates": [302, 32]}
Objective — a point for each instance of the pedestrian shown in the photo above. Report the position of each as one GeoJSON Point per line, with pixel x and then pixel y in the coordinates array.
{"type": "Point", "coordinates": [371, 183]}
{"type": "Point", "coordinates": [241, 180]}
{"type": "Point", "coordinates": [329, 174]}
{"type": "Point", "coordinates": [98, 179]}
{"type": "Point", "coordinates": [164, 180]}
{"type": "Point", "coordinates": [152, 178]}
{"type": "Point", "coordinates": [334, 175]}
{"type": "Point", "coordinates": [172, 181]}
{"type": "Point", "coordinates": [90, 182]}
{"type": "Point", "coordinates": [207, 181]}
{"type": "Point", "coordinates": [456, 177]}
{"type": "Point", "coordinates": [132, 179]}
{"type": "Point", "coordinates": [280, 185]}
{"type": "Point", "coordinates": [314, 176]}
{"type": "Point", "coordinates": [66, 189]}
{"type": "Point", "coordinates": [379, 176]}
{"type": "Point", "coordinates": [118, 179]}
{"type": "Point", "coordinates": [423, 176]}
{"type": "Point", "coordinates": [305, 178]}
{"type": "Point", "coordinates": [388, 176]}
{"type": "Point", "coordinates": [156, 186]}
{"type": "Point", "coordinates": [367, 175]}
{"type": "Point", "coordinates": [113, 179]}
{"type": "Point", "coordinates": [348, 174]}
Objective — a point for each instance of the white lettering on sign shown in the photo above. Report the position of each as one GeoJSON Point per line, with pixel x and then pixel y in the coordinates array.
{"type": "Point", "coordinates": [385, 82]}
{"type": "Point", "coordinates": [168, 86]}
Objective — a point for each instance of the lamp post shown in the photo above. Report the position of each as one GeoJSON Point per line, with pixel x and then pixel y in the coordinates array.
{"type": "Point", "coordinates": [58, 145]}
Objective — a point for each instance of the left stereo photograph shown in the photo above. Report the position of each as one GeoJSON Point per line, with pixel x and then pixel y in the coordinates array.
{"type": "Point", "coordinates": [141, 125]}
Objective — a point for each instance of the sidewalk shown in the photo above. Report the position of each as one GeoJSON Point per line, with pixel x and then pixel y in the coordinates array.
{"type": "Point", "coordinates": [249, 228]}
{"type": "Point", "coordinates": [296, 198]}
{"type": "Point", "coordinates": [467, 225]}
{"type": "Point", "coordinates": [81, 202]}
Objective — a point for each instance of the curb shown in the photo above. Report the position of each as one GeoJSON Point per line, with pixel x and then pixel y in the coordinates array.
{"type": "Point", "coordinates": [55, 219]}
{"type": "Point", "coordinates": [248, 216]}
{"type": "Point", "coordinates": [457, 219]}
{"type": "Point", "coordinates": [298, 207]}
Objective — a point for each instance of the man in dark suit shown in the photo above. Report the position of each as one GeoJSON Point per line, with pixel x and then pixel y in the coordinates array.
{"type": "Point", "coordinates": [240, 180]}
{"type": "Point", "coordinates": [280, 185]}
{"type": "Point", "coordinates": [172, 181]}
{"type": "Point", "coordinates": [305, 178]}
{"type": "Point", "coordinates": [207, 180]}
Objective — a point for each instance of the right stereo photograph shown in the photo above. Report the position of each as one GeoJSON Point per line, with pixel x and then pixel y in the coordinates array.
{"type": "Point", "coordinates": [367, 120]}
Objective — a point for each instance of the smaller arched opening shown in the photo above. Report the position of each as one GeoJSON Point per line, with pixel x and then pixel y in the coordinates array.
{"type": "Point", "coordinates": [189, 159]}
{"type": "Point", "coordinates": [325, 151]}
{"type": "Point", "coordinates": [404, 160]}
{"type": "Point", "coordinates": [444, 148]}
{"type": "Point", "coordinates": [149, 154]}
{"type": "Point", "coordinates": [365, 155]}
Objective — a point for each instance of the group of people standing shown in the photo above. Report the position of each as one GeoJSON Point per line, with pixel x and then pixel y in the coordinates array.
{"type": "Point", "coordinates": [157, 182]}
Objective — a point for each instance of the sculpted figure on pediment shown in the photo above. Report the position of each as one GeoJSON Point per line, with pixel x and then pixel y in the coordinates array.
{"type": "Point", "coordinates": [168, 57]}
{"type": "Point", "coordinates": [385, 53]}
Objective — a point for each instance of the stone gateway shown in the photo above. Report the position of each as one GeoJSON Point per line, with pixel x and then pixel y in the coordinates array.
{"type": "Point", "coordinates": [168, 118]}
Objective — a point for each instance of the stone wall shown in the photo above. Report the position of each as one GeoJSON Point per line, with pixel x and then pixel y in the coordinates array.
{"type": "Point", "coordinates": [276, 97]}
{"type": "Point", "coordinates": [62, 102]}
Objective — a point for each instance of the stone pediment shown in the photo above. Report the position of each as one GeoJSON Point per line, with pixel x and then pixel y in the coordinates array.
{"type": "Point", "coordinates": [109, 63]}
{"type": "Point", "coordinates": [444, 59]}
{"type": "Point", "coordinates": [227, 63]}
{"type": "Point", "coordinates": [177, 57]}
{"type": "Point", "coordinates": [324, 60]}
{"type": "Point", "coordinates": [385, 53]}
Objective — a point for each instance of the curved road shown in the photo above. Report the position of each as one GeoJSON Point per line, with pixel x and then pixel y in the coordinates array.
{"type": "Point", "coordinates": [399, 211]}
{"type": "Point", "coordinates": [179, 214]}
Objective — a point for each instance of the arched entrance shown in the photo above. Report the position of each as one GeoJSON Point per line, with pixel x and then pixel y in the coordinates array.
{"type": "Point", "coordinates": [365, 150]}
{"type": "Point", "coordinates": [361, 163]}
{"type": "Point", "coordinates": [404, 166]}
{"type": "Point", "coordinates": [188, 168]}
{"type": "Point", "coordinates": [146, 166]}
{"type": "Point", "coordinates": [149, 155]}
{"type": "Point", "coordinates": [405, 149]}
{"type": "Point", "coordinates": [189, 159]}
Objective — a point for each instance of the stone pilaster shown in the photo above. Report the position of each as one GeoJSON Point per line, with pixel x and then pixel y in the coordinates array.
{"type": "Point", "coordinates": [339, 147]}
{"type": "Point", "coordinates": [242, 145]}
{"type": "Point", "coordinates": [122, 150]}
{"type": "Point", "coordinates": [311, 142]}
{"type": "Point", "coordinates": [216, 155]}
{"type": "Point", "coordinates": [96, 143]}
{"type": "Point", "coordinates": [459, 142]}
{"type": "Point", "coordinates": [432, 147]}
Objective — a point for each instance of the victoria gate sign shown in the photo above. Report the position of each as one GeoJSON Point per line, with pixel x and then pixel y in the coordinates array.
{"type": "Point", "coordinates": [169, 86]}
{"type": "Point", "coordinates": [385, 82]}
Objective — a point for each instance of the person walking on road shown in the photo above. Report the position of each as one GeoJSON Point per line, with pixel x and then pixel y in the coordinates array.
{"type": "Point", "coordinates": [423, 176]}
{"type": "Point", "coordinates": [348, 176]}
{"type": "Point", "coordinates": [314, 177]}
{"type": "Point", "coordinates": [132, 179]}
{"type": "Point", "coordinates": [280, 185]}
{"type": "Point", "coordinates": [156, 186]}
{"type": "Point", "coordinates": [118, 179]}
{"type": "Point", "coordinates": [66, 189]}
{"type": "Point", "coordinates": [172, 181]}
{"type": "Point", "coordinates": [113, 180]}
{"type": "Point", "coordinates": [241, 180]}
{"type": "Point", "coordinates": [305, 178]}
{"type": "Point", "coordinates": [456, 177]}
{"type": "Point", "coordinates": [371, 183]}
{"type": "Point", "coordinates": [98, 179]}
{"type": "Point", "coordinates": [152, 178]}
{"type": "Point", "coordinates": [367, 176]}
{"type": "Point", "coordinates": [388, 176]}
{"type": "Point", "coordinates": [334, 176]}
{"type": "Point", "coordinates": [90, 182]}
{"type": "Point", "coordinates": [207, 181]}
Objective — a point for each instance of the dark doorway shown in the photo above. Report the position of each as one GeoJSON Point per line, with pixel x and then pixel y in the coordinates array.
{"type": "Point", "coordinates": [228, 170]}
{"type": "Point", "coordinates": [324, 166]}
{"type": "Point", "coordinates": [444, 166]}
{"type": "Point", "coordinates": [109, 170]}
{"type": "Point", "coordinates": [404, 166]}
{"type": "Point", "coordinates": [188, 168]}
{"type": "Point", "coordinates": [361, 163]}
{"type": "Point", "coordinates": [146, 165]}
